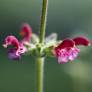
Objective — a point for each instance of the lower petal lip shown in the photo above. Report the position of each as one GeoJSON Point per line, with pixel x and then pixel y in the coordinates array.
{"type": "Point", "coordinates": [12, 54]}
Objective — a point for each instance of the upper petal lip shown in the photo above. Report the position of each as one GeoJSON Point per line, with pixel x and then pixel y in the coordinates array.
{"type": "Point", "coordinates": [81, 40]}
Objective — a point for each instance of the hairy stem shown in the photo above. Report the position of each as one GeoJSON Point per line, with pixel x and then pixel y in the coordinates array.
{"type": "Point", "coordinates": [43, 20]}
{"type": "Point", "coordinates": [39, 74]}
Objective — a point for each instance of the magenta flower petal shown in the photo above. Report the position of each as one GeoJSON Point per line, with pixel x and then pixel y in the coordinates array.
{"type": "Point", "coordinates": [66, 43]}
{"type": "Point", "coordinates": [18, 50]}
{"type": "Point", "coordinates": [26, 32]}
{"type": "Point", "coordinates": [62, 56]}
{"type": "Point", "coordinates": [11, 40]}
{"type": "Point", "coordinates": [62, 50]}
{"type": "Point", "coordinates": [73, 53]}
{"type": "Point", "coordinates": [22, 49]}
{"type": "Point", "coordinates": [66, 54]}
{"type": "Point", "coordinates": [82, 41]}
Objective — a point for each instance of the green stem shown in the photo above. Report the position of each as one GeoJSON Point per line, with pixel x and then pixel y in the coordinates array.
{"type": "Point", "coordinates": [43, 20]}
{"type": "Point", "coordinates": [39, 74]}
{"type": "Point", "coordinates": [40, 60]}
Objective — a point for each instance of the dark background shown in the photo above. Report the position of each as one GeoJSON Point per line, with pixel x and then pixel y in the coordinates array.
{"type": "Point", "coordinates": [68, 18]}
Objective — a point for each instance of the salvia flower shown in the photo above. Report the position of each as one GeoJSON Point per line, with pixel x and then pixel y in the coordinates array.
{"type": "Point", "coordinates": [19, 46]}
{"type": "Point", "coordinates": [26, 32]}
{"type": "Point", "coordinates": [14, 53]}
{"type": "Point", "coordinates": [67, 50]}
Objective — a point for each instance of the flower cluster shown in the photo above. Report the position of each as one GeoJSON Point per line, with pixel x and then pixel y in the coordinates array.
{"type": "Point", "coordinates": [64, 51]}
{"type": "Point", "coordinates": [19, 46]}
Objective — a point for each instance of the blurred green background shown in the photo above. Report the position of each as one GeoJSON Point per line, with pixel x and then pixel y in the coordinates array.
{"type": "Point", "coordinates": [68, 18]}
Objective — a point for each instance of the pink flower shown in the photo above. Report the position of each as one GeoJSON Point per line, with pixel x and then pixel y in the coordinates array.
{"type": "Point", "coordinates": [67, 49]}
{"type": "Point", "coordinates": [17, 51]}
{"type": "Point", "coordinates": [19, 48]}
{"type": "Point", "coordinates": [26, 32]}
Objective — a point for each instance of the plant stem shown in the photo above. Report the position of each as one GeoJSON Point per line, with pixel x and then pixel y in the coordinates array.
{"type": "Point", "coordinates": [39, 74]}
{"type": "Point", "coordinates": [43, 20]}
{"type": "Point", "coordinates": [40, 60]}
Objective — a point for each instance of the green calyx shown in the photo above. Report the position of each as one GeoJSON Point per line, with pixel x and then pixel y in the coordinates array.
{"type": "Point", "coordinates": [44, 49]}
